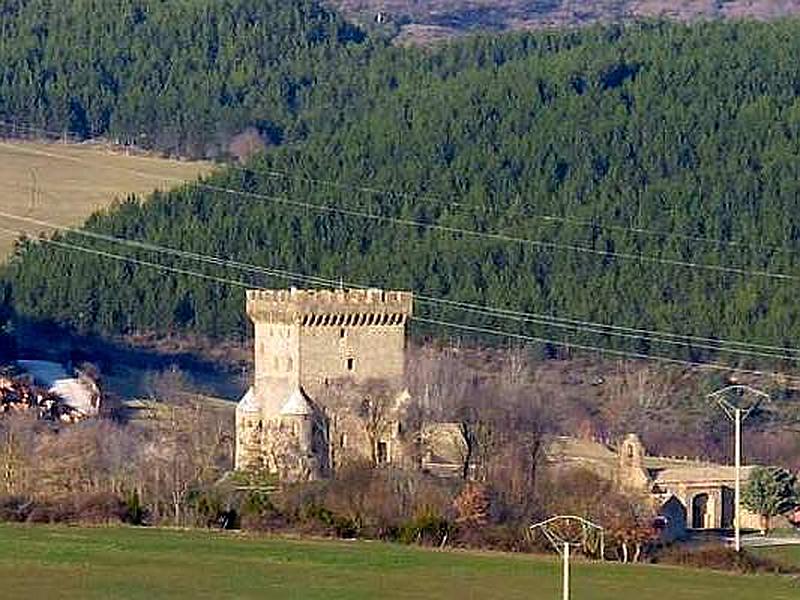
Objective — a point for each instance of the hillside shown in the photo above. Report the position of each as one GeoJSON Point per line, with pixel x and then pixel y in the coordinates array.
{"type": "Point", "coordinates": [66, 183]}
{"type": "Point", "coordinates": [182, 77]}
{"type": "Point", "coordinates": [644, 177]}
{"type": "Point", "coordinates": [423, 22]}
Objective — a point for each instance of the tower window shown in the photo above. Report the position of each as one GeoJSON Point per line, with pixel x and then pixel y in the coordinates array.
{"type": "Point", "coordinates": [342, 333]}
{"type": "Point", "coordinates": [383, 453]}
{"type": "Point", "coordinates": [351, 364]}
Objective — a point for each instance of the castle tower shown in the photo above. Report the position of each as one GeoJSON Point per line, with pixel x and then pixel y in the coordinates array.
{"type": "Point", "coordinates": [632, 474]}
{"type": "Point", "coordinates": [307, 339]}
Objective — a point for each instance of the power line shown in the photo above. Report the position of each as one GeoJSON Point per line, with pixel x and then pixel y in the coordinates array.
{"type": "Point", "coordinates": [622, 328]}
{"type": "Point", "coordinates": [276, 173]}
{"type": "Point", "coordinates": [136, 261]}
{"type": "Point", "coordinates": [476, 329]}
{"type": "Point", "coordinates": [500, 236]}
{"type": "Point", "coordinates": [452, 230]}
{"type": "Point", "coordinates": [742, 348]}
{"type": "Point", "coordinates": [621, 353]}
{"type": "Point", "coordinates": [649, 336]}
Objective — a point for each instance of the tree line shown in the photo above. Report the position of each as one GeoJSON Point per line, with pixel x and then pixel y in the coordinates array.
{"type": "Point", "coordinates": [167, 460]}
{"type": "Point", "coordinates": [644, 176]}
{"type": "Point", "coordinates": [178, 77]}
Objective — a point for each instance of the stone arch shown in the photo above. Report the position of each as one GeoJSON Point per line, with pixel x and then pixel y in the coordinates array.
{"type": "Point", "coordinates": [673, 513]}
{"type": "Point", "coordinates": [699, 510]}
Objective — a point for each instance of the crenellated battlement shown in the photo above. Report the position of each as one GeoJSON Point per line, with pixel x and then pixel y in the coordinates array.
{"type": "Point", "coordinates": [350, 307]}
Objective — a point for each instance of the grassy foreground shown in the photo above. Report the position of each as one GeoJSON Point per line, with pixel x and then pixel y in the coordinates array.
{"type": "Point", "coordinates": [122, 563]}
{"type": "Point", "coordinates": [789, 555]}
{"type": "Point", "coordinates": [66, 183]}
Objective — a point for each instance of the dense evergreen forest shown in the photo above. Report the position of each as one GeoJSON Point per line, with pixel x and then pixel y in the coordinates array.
{"type": "Point", "coordinates": [646, 176]}
{"type": "Point", "coordinates": [177, 76]}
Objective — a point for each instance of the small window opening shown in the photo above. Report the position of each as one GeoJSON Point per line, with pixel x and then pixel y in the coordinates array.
{"type": "Point", "coordinates": [351, 364]}
{"type": "Point", "coordinates": [383, 453]}
{"type": "Point", "coordinates": [343, 440]}
{"type": "Point", "coordinates": [342, 333]}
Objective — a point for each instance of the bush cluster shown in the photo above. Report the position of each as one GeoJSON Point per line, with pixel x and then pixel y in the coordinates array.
{"type": "Point", "coordinates": [97, 508]}
{"type": "Point", "coordinates": [721, 559]}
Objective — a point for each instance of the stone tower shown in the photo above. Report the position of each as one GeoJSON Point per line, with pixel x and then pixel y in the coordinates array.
{"type": "Point", "coordinates": [305, 342]}
{"type": "Point", "coordinates": [631, 471]}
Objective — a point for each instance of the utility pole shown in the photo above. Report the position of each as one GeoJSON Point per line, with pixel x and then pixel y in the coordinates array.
{"type": "Point", "coordinates": [563, 531]}
{"type": "Point", "coordinates": [737, 495]}
{"type": "Point", "coordinates": [737, 414]}
{"type": "Point", "coordinates": [565, 575]}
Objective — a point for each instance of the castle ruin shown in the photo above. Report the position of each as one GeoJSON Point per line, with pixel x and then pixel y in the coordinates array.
{"type": "Point", "coordinates": [324, 362]}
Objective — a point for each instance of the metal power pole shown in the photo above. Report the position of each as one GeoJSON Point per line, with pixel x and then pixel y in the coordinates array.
{"type": "Point", "coordinates": [565, 584]}
{"type": "Point", "coordinates": [738, 489]}
{"type": "Point", "coordinates": [738, 414]}
{"type": "Point", "coordinates": [563, 531]}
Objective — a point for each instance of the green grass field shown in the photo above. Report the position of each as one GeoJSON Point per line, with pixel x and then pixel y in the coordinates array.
{"type": "Point", "coordinates": [789, 555]}
{"type": "Point", "coordinates": [66, 183]}
{"type": "Point", "coordinates": [127, 563]}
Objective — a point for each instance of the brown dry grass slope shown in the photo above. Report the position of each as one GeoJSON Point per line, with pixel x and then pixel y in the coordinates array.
{"type": "Point", "coordinates": [66, 183]}
{"type": "Point", "coordinates": [435, 20]}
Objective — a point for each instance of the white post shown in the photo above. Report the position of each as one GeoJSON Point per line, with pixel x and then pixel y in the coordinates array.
{"type": "Point", "coordinates": [565, 586]}
{"type": "Point", "coordinates": [738, 491]}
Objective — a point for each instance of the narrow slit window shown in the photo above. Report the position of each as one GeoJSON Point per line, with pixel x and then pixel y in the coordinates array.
{"type": "Point", "coordinates": [383, 453]}
{"type": "Point", "coordinates": [351, 364]}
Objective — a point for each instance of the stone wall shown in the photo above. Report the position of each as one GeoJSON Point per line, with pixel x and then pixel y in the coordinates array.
{"type": "Point", "coordinates": [313, 342]}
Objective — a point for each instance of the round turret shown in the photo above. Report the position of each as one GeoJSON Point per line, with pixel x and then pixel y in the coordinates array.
{"type": "Point", "coordinates": [298, 411]}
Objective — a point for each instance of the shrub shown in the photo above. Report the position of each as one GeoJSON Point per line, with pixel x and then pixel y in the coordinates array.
{"type": "Point", "coordinates": [136, 513]}
{"type": "Point", "coordinates": [55, 511]}
{"type": "Point", "coordinates": [505, 537]}
{"type": "Point", "coordinates": [428, 528]}
{"type": "Point", "coordinates": [330, 522]}
{"type": "Point", "coordinates": [214, 511]}
{"type": "Point", "coordinates": [102, 507]}
{"type": "Point", "coordinates": [719, 558]}
{"type": "Point", "coordinates": [15, 509]}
